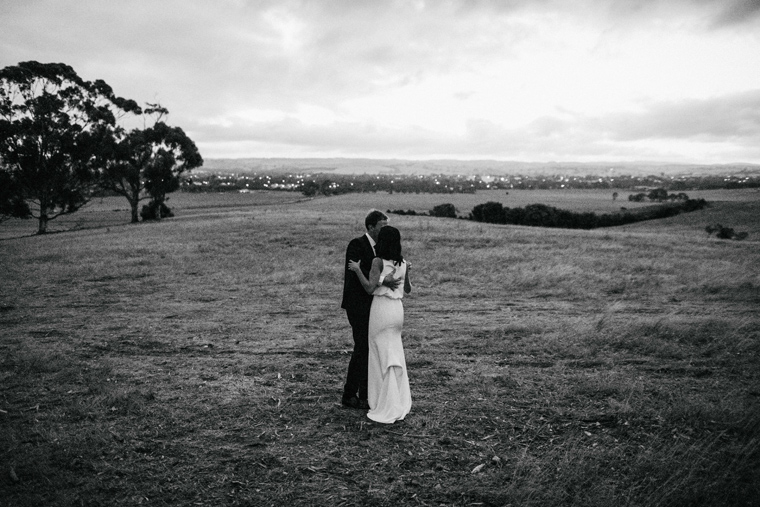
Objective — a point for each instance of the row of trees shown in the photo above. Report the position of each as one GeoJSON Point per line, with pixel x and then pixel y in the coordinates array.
{"type": "Point", "coordinates": [440, 211]}
{"type": "Point", "coordinates": [541, 215]}
{"type": "Point", "coordinates": [658, 195]}
{"type": "Point", "coordinates": [63, 140]}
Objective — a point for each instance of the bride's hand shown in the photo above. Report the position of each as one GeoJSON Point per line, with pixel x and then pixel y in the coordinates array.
{"type": "Point", "coordinates": [354, 266]}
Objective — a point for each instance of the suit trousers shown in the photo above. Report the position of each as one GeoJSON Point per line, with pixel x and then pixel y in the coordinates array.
{"type": "Point", "coordinates": [356, 379]}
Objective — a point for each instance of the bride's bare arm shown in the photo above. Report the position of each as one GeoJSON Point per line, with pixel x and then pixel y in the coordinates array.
{"type": "Point", "coordinates": [407, 282]}
{"type": "Point", "coordinates": [373, 281]}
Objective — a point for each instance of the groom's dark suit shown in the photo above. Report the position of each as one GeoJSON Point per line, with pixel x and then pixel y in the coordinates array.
{"type": "Point", "coordinates": [357, 303]}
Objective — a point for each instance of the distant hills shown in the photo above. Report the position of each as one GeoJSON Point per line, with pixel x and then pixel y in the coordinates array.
{"type": "Point", "coordinates": [464, 167]}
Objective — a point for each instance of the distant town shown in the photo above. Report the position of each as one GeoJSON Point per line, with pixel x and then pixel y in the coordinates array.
{"type": "Point", "coordinates": [313, 183]}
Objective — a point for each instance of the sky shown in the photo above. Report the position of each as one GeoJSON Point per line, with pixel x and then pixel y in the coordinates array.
{"type": "Point", "coordinates": [674, 81]}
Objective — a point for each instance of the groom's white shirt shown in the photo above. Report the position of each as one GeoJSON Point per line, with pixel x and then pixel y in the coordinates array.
{"type": "Point", "coordinates": [371, 242]}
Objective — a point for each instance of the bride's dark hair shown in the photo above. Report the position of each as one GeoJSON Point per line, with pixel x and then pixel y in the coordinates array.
{"type": "Point", "coordinates": [389, 245]}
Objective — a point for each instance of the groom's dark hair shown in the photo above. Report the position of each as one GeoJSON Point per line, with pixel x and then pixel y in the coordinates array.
{"type": "Point", "coordinates": [373, 218]}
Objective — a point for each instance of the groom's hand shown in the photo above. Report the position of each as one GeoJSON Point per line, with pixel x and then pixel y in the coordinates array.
{"type": "Point", "coordinates": [391, 283]}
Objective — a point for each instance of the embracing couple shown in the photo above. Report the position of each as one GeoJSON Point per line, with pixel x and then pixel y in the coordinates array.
{"type": "Point", "coordinates": [376, 278]}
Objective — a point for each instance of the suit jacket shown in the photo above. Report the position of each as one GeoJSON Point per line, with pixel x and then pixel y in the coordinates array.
{"type": "Point", "coordinates": [355, 298]}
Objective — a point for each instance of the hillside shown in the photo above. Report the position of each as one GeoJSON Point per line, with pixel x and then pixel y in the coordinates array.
{"type": "Point", "coordinates": [200, 361]}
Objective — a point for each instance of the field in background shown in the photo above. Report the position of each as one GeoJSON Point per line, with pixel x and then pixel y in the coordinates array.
{"type": "Point", "coordinates": [114, 211]}
{"type": "Point", "coordinates": [200, 360]}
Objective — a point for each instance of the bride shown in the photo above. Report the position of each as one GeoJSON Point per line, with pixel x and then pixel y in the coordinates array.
{"type": "Point", "coordinates": [388, 391]}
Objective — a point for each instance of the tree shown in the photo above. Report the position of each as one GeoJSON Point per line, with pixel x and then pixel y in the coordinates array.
{"type": "Point", "coordinates": [444, 211]}
{"type": "Point", "coordinates": [310, 188]}
{"type": "Point", "coordinates": [53, 128]}
{"type": "Point", "coordinates": [539, 215]}
{"type": "Point", "coordinates": [325, 187]}
{"type": "Point", "coordinates": [658, 194]}
{"type": "Point", "coordinates": [147, 163]}
{"type": "Point", "coordinates": [122, 169]}
{"type": "Point", "coordinates": [489, 212]}
{"type": "Point", "coordinates": [726, 232]}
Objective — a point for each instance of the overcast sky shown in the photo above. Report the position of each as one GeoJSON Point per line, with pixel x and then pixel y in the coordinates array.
{"type": "Point", "coordinates": [529, 80]}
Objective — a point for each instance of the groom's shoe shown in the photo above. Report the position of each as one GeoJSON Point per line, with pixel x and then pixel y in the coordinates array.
{"type": "Point", "coordinates": [354, 402]}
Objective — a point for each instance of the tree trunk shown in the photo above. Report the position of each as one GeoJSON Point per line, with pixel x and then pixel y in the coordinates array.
{"type": "Point", "coordinates": [134, 202]}
{"type": "Point", "coordinates": [133, 205]}
{"type": "Point", "coordinates": [42, 226]}
{"type": "Point", "coordinates": [43, 220]}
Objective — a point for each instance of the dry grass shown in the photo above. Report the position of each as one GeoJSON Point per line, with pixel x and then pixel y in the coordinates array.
{"type": "Point", "coordinates": [200, 361]}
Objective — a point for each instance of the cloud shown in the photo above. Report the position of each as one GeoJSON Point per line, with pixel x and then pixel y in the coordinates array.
{"type": "Point", "coordinates": [735, 116]}
{"type": "Point", "coordinates": [418, 78]}
{"type": "Point", "coordinates": [715, 127]}
{"type": "Point", "coordinates": [290, 135]}
{"type": "Point", "coordinates": [737, 12]}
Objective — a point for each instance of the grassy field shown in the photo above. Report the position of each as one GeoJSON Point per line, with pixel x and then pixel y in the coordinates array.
{"type": "Point", "coordinates": [114, 211]}
{"type": "Point", "coordinates": [200, 360]}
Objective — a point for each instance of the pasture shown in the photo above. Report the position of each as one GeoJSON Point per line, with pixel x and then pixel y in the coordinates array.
{"type": "Point", "coordinates": [114, 211]}
{"type": "Point", "coordinates": [200, 360]}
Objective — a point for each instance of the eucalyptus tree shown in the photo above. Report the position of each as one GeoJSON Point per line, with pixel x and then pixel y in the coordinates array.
{"type": "Point", "coordinates": [148, 163]}
{"type": "Point", "coordinates": [54, 126]}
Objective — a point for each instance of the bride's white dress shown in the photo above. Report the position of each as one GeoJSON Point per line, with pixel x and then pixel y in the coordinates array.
{"type": "Point", "coordinates": [388, 391]}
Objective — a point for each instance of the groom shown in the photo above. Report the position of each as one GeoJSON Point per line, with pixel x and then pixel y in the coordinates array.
{"type": "Point", "coordinates": [357, 303]}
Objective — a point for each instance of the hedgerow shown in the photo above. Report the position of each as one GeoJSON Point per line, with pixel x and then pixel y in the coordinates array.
{"type": "Point", "coordinates": [542, 215]}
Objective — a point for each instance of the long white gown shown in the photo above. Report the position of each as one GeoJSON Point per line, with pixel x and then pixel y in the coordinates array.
{"type": "Point", "coordinates": [389, 396]}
